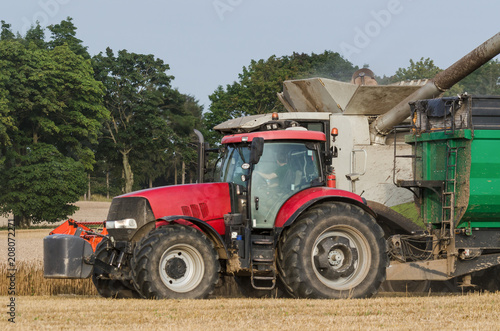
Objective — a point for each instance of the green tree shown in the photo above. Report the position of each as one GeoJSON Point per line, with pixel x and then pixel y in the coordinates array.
{"type": "Point", "coordinates": [65, 33]}
{"type": "Point", "coordinates": [422, 69]}
{"type": "Point", "coordinates": [184, 147]}
{"type": "Point", "coordinates": [327, 64]}
{"type": "Point", "coordinates": [52, 99]}
{"type": "Point", "coordinates": [6, 33]}
{"type": "Point", "coordinates": [141, 102]}
{"type": "Point", "coordinates": [6, 121]}
{"type": "Point", "coordinates": [256, 88]}
{"type": "Point", "coordinates": [485, 80]}
{"type": "Point", "coordinates": [42, 184]}
{"type": "Point", "coordinates": [36, 35]}
{"type": "Point", "coordinates": [178, 164]}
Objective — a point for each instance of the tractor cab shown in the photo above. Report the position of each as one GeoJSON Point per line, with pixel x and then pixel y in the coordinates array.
{"type": "Point", "coordinates": [271, 166]}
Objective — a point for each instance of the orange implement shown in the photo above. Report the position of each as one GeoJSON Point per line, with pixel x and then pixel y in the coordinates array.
{"type": "Point", "coordinates": [70, 227]}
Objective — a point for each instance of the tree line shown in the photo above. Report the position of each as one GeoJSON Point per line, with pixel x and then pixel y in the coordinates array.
{"type": "Point", "coordinates": [70, 121]}
{"type": "Point", "coordinates": [74, 124]}
{"type": "Point", "coordinates": [255, 90]}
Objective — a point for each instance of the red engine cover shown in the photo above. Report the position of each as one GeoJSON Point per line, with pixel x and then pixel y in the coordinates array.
{"type": "Point", "coordinates": [208, 202]}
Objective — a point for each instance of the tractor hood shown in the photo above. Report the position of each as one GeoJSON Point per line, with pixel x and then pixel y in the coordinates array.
{"type": "Point", "coordinates": [207, 202]}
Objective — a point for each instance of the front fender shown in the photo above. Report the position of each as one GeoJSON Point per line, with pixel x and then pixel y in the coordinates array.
{"type": "Point", "coordinates": [301, 201]}
{"type": "Point", "coordinates": [206, 228]}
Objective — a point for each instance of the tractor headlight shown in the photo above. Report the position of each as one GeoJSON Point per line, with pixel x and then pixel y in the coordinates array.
{"type": "Point", "coordinates": [128, 223]}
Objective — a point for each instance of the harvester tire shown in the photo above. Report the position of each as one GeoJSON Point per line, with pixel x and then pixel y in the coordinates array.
{"type": "Point", "coordinates": [333, 250]}
{"type": "Point", "coordinates": [175, 262]}
{"type": "Point", "coordinates": [110, 288]}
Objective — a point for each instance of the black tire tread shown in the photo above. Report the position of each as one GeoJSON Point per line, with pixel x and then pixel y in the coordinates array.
{"type": "Point", "coordinates": [112, 288]}
{"type": "Point", "coordinates": [291, 247]}
{"type": "Point", "coordinates": [145, 248]}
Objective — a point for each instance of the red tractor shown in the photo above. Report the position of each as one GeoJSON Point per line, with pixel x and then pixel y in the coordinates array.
{"type": "Point", "coordinates": [269, 218]}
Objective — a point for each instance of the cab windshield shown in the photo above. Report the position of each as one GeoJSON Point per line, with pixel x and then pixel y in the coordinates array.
{"type": "Point", "coordinates": [301, 158]}
{"type": "Point", "coordinates": [229, 169]}
{"type": "Point", "coordinates": [285, 168]}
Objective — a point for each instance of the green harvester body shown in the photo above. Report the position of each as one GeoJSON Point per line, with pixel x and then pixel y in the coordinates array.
{"type": "Point", "coordinates": [457, 162]}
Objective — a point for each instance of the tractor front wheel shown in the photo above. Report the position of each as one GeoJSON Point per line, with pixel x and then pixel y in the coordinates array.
{"type": "Point", "coordinates": [110, 288]}
{"type": "Point", "coordinates": [175, 262]}
{"type": "Point", "coordinates": [333, 250]}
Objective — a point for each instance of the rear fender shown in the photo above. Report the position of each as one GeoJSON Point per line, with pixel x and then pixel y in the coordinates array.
{"type": "Point", "coordinates": [203, 226]}
{"type": "Point", "coordinates": [391, 221]}
{"type": "Point", "coordinates": [303, 200]}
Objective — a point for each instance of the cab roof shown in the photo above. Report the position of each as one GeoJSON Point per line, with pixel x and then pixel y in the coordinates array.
{"type": "Point", "coordinates": [288, 134]}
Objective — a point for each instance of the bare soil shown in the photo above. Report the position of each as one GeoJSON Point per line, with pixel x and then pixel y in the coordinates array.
{"type": "Point", "coordinates": [90, 211]}
{"type": "Point", "coordinates": [29, 243]}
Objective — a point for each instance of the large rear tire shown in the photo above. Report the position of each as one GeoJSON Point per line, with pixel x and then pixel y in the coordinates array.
{"type": "Point", "coordinates": [333, 250]}
{"type": "Point", "coordinates": [110, 288]}
{"type": "Point", "coordinates": [175, 262]}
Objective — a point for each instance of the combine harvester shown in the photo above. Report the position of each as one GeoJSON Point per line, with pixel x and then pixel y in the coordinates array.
{"type": "Point", "coordinates": [274, 218]}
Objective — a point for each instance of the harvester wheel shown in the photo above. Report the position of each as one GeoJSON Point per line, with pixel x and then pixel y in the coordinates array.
{"type": "Point", "coordinates": [175, 262]}
{"type": "Point", "coordinates": [333, 250]}
{"type": "Point", "coordinates": [110, 288]}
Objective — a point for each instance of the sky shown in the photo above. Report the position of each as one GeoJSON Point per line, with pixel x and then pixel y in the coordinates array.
{"type": "Point", "coordinates": [207, 42]}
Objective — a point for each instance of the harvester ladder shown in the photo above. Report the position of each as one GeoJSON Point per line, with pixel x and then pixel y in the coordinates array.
{"type": "Point", "coordinates": [449, 192]}
{"type": "Point", "coordinates": [263, 262]}
{"type": "Point", "coordinates": [403, 156]}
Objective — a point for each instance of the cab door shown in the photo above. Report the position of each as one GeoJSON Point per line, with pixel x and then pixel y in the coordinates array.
{"type": "Point", "coordinates": [284, 169]}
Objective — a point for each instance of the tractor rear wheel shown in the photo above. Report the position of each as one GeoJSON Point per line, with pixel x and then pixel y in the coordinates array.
{"type": "Point", "coordinates": [175, 262]}
{"type": "Point", "coordinates": [110, 288]}
{"type": "Point", "coordinates": [333, 250]}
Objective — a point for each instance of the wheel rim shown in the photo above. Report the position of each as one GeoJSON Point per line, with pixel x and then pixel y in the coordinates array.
{"type": "Point", "coordinates": [341, 257]}
{"type": "Point", "coordinates": [181, 268]}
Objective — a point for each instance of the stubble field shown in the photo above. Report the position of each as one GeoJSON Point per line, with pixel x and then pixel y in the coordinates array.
{"type": "Point", "coordinates": [468, 312]}
{"type": "Point", "coordinates": [36, 308]}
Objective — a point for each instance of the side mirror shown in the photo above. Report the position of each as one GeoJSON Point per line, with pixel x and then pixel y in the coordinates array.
{"type": "Point", "coordinates": [256, 150]}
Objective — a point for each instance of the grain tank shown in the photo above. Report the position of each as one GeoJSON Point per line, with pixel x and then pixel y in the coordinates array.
{"type": "Point", "coordinates": [456, 181]}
